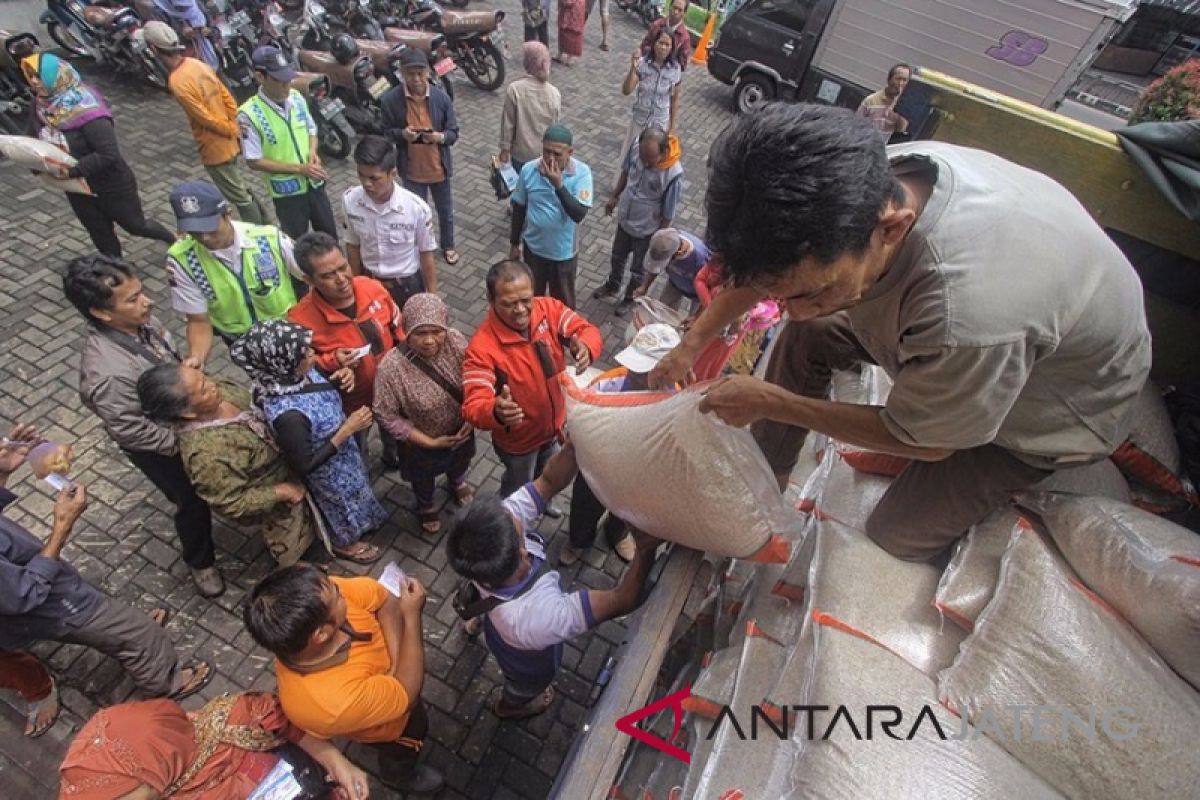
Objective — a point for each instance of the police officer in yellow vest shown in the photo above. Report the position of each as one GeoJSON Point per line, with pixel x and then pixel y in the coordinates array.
{"type": "Point", "coordinates": [225, 275]}
{"type": "Point", "coordinates": [279, 139]}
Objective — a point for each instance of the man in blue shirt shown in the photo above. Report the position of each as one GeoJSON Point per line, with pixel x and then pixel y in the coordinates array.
{"type": "Point", "coordinates": [551, 199]}
{"type": "Point", "coordinates": [682, 255]}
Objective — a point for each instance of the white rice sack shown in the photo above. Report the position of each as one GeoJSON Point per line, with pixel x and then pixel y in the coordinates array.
{"type": "Point", "coordinates": [888, 599]}
{"type": "Point", "coordinates": [663, 466]}
{"type": "Point", "coordinates": [852, 672]}
{"type": "Point", "coordinates": [1044, 641]}
{"type": "Point", "coordinates": [970, 579]}
{"type": "Point", "coordinates": [1145, 567]}
{"type": "Point", "coordinates": [849, 496]}
{"type": "Point", "coordinates": [1101, 479]}
{"type": "Point", "coordinates": [31, 153]}
{"type": "Point", "coordinates": [868, 385]}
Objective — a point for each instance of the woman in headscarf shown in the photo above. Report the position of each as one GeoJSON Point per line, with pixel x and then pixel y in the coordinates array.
{"type": "Point", "coordinates": [76, 118]}
{"type": "Point", "coordinates": [154, 749]}
{"type": "Point", "coordinates": [531, 104]}
{"type": "Point", "coordinates": [230, 455]}
{"type": "Point", "coordinates": [190, 22]}
{"type": "Point", "coordinates": [317, 439]}
{"type": "Point", "coordinates": [418, 397]}
{"type": "Point", "coordinates": [572, 15]}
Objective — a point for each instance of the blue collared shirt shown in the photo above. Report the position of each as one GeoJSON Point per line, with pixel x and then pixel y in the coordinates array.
{"type": "Point", "coordinates": [548, 231]}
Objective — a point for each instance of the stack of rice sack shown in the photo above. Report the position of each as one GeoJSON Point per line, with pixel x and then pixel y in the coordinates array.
{"type": "Point", "coordinates": [1150, 458]}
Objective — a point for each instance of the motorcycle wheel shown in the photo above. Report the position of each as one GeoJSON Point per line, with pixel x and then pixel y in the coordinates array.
{"type": "Point", "coordinates": [152, 70]}
{"type": "Point", "coordinates": [649, 12]}
{"type": "Point", "coordinates": [446, 85]}
{"type": "Point", "coordinates": [333, 141]}
{"type": "Point", "coordinates": [67, 39]}
{"type": "Point", "coordinates": [485, 67]}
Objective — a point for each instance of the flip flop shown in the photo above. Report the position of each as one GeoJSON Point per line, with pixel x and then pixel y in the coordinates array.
{"type": "Point", "coordinates": [430, 522]}
{"type": "Point", "coordinates": [463, 495]}
{"type": "Point", "coordinates": [531, 709]}
{"type": "Point", "coordinates": [32, 729]}
{"type": "Point", "coordinates": [191, 686]}
{"type": "Point", "coordinates": [160, 615]}
{"type": "Point", "coordinates": [451, 256]}
{"type": "Point", "coordinates": [367, 554]}
{"type": "Point", "coordinates": [604, 47]}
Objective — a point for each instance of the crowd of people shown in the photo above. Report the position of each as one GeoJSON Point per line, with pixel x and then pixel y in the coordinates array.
{"type": "Point", "coordinates": [334, 339]}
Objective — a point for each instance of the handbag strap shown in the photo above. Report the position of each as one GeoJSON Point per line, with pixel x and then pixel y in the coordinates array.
{"type": "Point", "coordinates": [449, 388]}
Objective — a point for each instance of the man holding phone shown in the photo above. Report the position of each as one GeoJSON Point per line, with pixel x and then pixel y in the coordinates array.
{"type": "Point", "coordinates": [420, 119]}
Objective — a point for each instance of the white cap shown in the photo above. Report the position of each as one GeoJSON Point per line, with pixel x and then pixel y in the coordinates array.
{"type": "Point", "coordinates": [648, 347]}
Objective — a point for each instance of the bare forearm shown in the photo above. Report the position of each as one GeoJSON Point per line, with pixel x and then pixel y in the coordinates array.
{"type": "Point", "coordinates": [429, 271]}
{"type": "Point", "coordinates": [199, 337]}
{"type": "Point", "coordinates": [631, 80]}
{"type": "Point", "coordinates": [354, 257]}
{"type": "Point", "coordinates": [277, 167]}
{"type": "Point", "coordinates": [861, 426]}
{"type": "Point", "coordinates": [409, 666]}
{"type": "Point", "coordinates": [391, 622]}
{"type": "Point", "coordinates": [726, 306]}
{"type": "Point", "coordinates": [622, 599]}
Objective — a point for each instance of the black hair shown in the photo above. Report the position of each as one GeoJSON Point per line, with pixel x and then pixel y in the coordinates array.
{"type": "Point", "coordinates": [312, 245]}
{"type": "Point", "coordinates": [285, 608]}
{"type": "Point", "coordinates": [88, 281]}
{"type": "Point", "coordinates": [794, 181]}
{"type": "Point", "coordinates": [375, 151]}
{"type": "Point", "coordinates": [506, 271]}
{"type": "Point", "coordinates": [160, 390]}
{"type": "Point", "coordinates": [658, 134]}
{"type": "Point", "coordinates": [892, 71]}
{"type": "Point", "coordinates": [482, 545]}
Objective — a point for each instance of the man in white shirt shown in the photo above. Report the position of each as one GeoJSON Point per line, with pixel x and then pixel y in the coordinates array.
{"type": "Point", "coordinates": [389, 230]}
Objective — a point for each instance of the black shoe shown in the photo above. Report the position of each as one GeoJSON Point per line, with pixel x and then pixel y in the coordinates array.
{"type": "Point", "coordinates": [422, 780]}
{"type": "Point", "coordinates": [390, 463]}
{"type": "Point", "coordinates": [605, 292]}
{"type": "Point", "coordinates": [623, 307]}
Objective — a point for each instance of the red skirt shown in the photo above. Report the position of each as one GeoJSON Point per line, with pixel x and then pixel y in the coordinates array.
{"type": "Point", "coordinates": [570, 42]}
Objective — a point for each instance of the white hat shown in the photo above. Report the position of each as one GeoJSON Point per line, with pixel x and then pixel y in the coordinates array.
{"type": "Point", "coordinates": [648, 347]}
{"type": "Point", "coordinates": [162, 36]}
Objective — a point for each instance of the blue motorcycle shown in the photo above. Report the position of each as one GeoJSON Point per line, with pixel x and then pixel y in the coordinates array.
{"type": "Point", "coordinates": [69, 27]}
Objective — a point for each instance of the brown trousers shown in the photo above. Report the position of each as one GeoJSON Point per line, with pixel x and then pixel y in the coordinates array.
{"type": "Point", "coordinates": [932, 503]}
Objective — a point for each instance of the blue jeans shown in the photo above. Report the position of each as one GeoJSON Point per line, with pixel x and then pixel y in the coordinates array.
{"type": "Point", "coordinates": [443, 201]}
{"type": "Point", "coordinates": [520, 470]}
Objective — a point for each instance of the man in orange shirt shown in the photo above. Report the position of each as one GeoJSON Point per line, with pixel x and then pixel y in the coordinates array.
{"type": "Point", "coordinates": [212, 112]}
{"type": "Point", "coordinates": [349, 662]}
{"type": "Point", "coordinates": [354, 322]}
{"type": "Point", "coordinates": [510, 373]}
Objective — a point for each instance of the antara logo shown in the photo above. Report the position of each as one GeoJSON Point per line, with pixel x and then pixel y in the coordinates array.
{"type": "Point", "coordinates": [674, 701]}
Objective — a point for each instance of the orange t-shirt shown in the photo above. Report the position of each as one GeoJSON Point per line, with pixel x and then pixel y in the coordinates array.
{"type": "Point", "coordinates": [424, 160]}
{"type": "Point", "coordinates": [210, 109]}
{"type": "Point", "coordinates": [357, 699]}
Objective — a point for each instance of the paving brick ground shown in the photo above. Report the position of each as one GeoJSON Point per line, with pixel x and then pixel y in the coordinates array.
{"type": "Point", "coordinates": [125, 542]}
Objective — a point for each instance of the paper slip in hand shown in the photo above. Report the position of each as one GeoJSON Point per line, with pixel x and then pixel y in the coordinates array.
{"type": "Point", "coordinates": [360, 352]}
{"type": "Point", "coordinates": [279, 784]}
{"type": "Point", "coordinates": [393, 578]}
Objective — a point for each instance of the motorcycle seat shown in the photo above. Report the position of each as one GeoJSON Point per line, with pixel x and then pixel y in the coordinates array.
{"type": "Point", "coordinates": [100, 17]}
{"type": "Point", "coordinates": [303, 81]}
{"type": "Point", "coordinates": [376, 51]}
{"type": "Point", "coordinates": [326, 64]}
{"type": "Point", "coordinates": [418, 40]}
{"type": "Point", "coordinates": [469, 21]}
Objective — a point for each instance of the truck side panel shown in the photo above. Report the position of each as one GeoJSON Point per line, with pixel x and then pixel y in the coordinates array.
{"type": "Point", "coordinates": [1019, 47]}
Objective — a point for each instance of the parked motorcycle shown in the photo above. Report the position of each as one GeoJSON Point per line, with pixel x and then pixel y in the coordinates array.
{"type": "Point", "coordinates": [335, 136]}
{"type": "Point", "coordinates": [474, 38]}
{"type": "Point", "coordinates": [645, 10]}
{"type": "Point", "coordinates": [16, 97]}
{"type": "Point", "coordinates": [121, 43]}
{"type": "Point", "coordinates": [67, 26]}
{"type": "Point", "coordinates": [234, 38]}
{"type": "Point", "coordinates": [433, 45]}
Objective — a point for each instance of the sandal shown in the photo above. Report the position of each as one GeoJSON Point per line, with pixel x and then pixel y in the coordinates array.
{"type": "Point", "coordinates": [201, 672]}
{"type": "Point", "coordinates": [531, 709]}
{"type": "Point", "coordinates": [38, 709]}
{"type": "Point", "coordinates": [160, 616]}
{"type": "Point", "coordinates": [451, 256]}
{"type": "Point", "coordinates": [359, 553]}
{"type": "Point", "coordinates": [430, 521]}
{"type": "Point", "coordinates": [604, 46]}
{"type": "Point", "coordinates": [464, 494]}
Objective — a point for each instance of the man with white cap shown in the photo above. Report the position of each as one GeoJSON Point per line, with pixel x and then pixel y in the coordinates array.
{"type": "Point", "coordinates": [648, 347]}
{"type": "Point", "coordinates": [212, 113]}
{"type": "Point", "coordinates": [682, 255]}
{"type": "Point", "coordinates": [225, 275]}
{"type": "Point", "coordinates": [279, 139]}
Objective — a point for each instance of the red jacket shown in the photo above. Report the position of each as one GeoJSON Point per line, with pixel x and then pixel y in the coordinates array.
{"type": "Point", "coordinates": [375, 310]}
{"type": "Point", "coordinates": [497, 349]}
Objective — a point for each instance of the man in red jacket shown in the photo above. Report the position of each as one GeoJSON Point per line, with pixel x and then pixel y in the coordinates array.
{"type": "Point", "coordinates": [354, 322]}
{"type": "Point", "coordinates": [510, 374]}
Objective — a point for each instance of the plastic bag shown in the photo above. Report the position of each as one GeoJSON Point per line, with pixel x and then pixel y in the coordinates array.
{"type": "Point", "coordinates": [661, 465]}
{"type": "Point", "coordinates": [1045, 641]}
{"type": "Point", "coordinates": [1145, 567]}
{"type": "Point", "coordinates": [1101, 479]}
{"type": "Point", "coordinates": [31, 153]}
{"type": "Point", "coordinates": [970, 579]}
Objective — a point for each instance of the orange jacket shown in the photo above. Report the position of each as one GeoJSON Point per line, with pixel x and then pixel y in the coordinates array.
{"type": "Point", "coordinates": [210, 109]}
{"type": "Point", "coordinates": [332, 330]}
{"type": "Point", "coordinates": [497, 349]}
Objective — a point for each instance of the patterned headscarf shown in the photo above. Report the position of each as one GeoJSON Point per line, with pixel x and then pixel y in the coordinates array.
{"type": "Point", "coordinates": [537, 60]}
{"type": "Point", "coordinates": [270, 352]}
{"type": "Point", "coordinates": [69, 103]}
{"type": "Point", "coordinates": [425, 309]}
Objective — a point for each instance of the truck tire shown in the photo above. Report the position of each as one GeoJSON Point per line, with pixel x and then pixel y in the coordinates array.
{"type": "Point", "coordinates": [751, 92]}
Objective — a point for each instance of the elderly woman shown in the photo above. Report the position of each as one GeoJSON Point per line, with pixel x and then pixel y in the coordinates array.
{"type": "Point", "coordinates": [76, 118]}
{"type": "Point", "coordinates": [531, 104]}
{"type": "Point", "coordinates": [154, 749]}
{"type": "Point", "coordinates": [317, 439]}
{"type": "Point", "coordinates": [418, 399]}
{"type": "Point", "coordinates": [572, 15]}
{"type": "Point", "coordinates": [230, 455]}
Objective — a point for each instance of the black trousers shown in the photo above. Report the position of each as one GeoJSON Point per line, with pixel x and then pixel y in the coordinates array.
{"type": "Point", "coordinates": [296, 212]}
{"type": "Point", "coordinates": [625, 245]}
{"type": "Point", "coordinates": [100, 213]}
{"type": "Point", "coordinates": [553, 278]}
{"type": "Point", "coordinates": [403, 288]}
{"type": "Point", "coordinates": [586, 511]}
{"type": "Point", "coordinates": [541, 33]}
{"type": "Point", "coordinates": [397, 760]}
{"type": "Point", "coordinates": [193, 520]}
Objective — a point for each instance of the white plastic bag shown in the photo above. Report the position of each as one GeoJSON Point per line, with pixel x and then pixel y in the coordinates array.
{"type": "Point", "coordinates": [31, 153]}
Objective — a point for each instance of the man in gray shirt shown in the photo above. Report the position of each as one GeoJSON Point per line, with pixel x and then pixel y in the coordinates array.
{"type": "Point", "coordinates": [1012, 327]}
